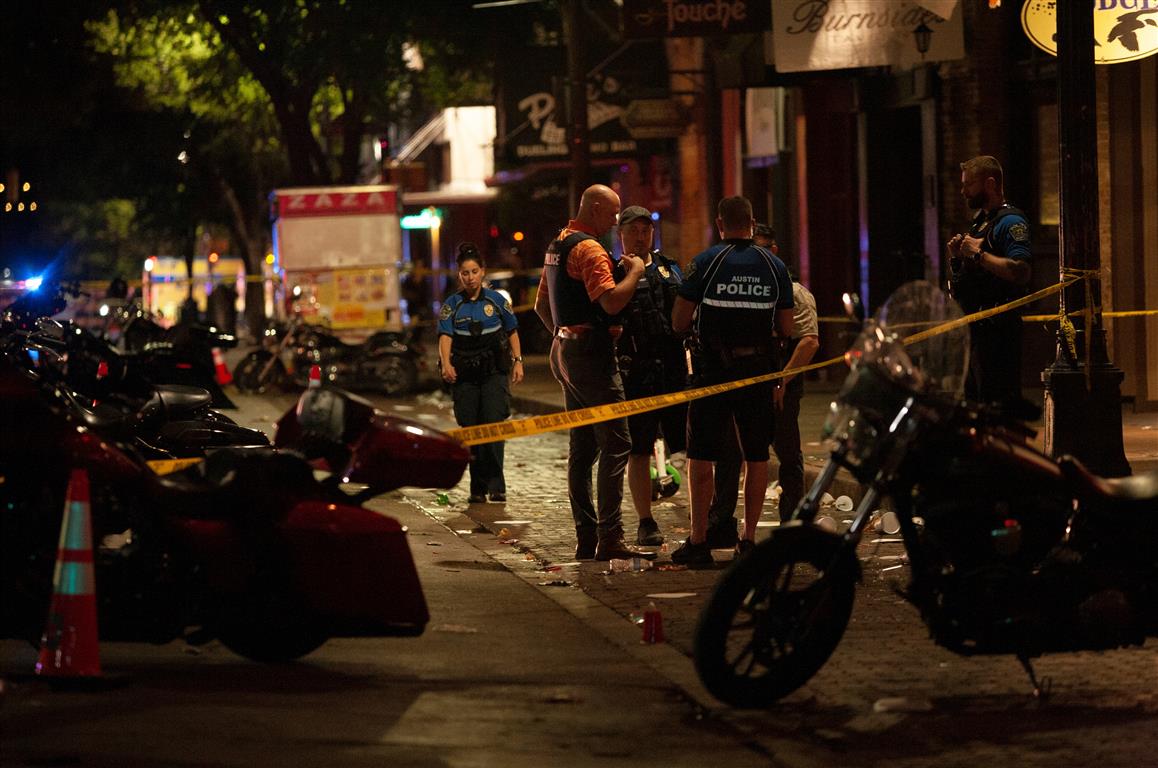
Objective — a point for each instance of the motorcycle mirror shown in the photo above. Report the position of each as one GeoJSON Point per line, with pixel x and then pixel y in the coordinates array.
{"type": "Point", "coordinates": [853, 307]}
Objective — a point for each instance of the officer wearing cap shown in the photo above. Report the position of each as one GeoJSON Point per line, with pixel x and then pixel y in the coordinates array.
{"type": "Point", "coordinates": [737, 297]}
{"type": "Point", "coordinates": [651, 359]}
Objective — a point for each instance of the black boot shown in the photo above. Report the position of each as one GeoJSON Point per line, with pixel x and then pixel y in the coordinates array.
{"type": "Point", "coordinates": [587, 540]}
{"type": "Point", "coordinates": [612, 546]}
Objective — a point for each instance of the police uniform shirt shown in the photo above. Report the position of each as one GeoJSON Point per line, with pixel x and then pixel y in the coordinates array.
{"type": "Point", "coordinates": [463, 319]}
{"type": "Point", "coordinates": [738, 286]}
{"type": "Point", "coordinates": [1004, 232]}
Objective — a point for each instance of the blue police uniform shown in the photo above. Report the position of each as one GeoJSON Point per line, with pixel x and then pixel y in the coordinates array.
{"type": "Point", "coordinates": [479, 353]}
{"type": "Point", "coordinates": [994, 343]}
{"type": "Point", "coordinates": [738, 287]}
{"type": "Point", "coordinates": [651, 356]}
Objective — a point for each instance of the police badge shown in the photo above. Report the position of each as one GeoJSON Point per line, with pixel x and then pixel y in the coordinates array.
{"type": "Point", "coordinates": [488, 310]}
{"type": "Point", "coordinates": [664, 272]}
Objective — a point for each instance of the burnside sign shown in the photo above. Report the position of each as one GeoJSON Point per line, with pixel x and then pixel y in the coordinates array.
{"type": "Point", "coordinates": [1124, 30]}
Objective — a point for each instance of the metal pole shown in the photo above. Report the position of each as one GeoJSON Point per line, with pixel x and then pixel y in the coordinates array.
{"type": "Point", "coordinates": [1082, 387]}
{"type": "Point", "coordinates": [577, 101]}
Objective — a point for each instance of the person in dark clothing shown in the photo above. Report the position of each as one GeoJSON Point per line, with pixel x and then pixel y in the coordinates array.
{"type": "Point", "coordinates": [577, 301]}
{"type": "Point", "coordinates": [651, 358]}
{"type": "Point", "coordinates": [990, 266]}
{"type": "Point", "coordinates": [480, 356]}
{"type": "Point", "coordinates": [799, 351]}
{"type": "Point", "coordinates": [740, 298]}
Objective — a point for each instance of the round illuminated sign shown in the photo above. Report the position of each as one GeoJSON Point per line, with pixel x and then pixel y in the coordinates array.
{"type": "Point", "coordinates": [1124, 30]}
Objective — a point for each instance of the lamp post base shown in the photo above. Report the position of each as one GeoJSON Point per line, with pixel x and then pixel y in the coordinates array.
{"type": "Point", "coordinates": [1086, 423]}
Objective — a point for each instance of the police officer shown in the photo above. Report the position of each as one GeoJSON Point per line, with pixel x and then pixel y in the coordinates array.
{"type": "Point", "coordinates": [478, 347]}
{"type": "Point", "coordinates": [990, 266]}
{"type": "Point", "coordinates": [651, 359]}
{"type": "Point", "coordinates": [799, 351]}
{"type": "Point", "coordinates": [737, 297]}
{"type": "Point", "coordinates": [578, 299]}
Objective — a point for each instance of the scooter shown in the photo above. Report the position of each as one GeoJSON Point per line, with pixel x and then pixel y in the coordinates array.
{"type": "Point", "coordinates": [1009, 550]}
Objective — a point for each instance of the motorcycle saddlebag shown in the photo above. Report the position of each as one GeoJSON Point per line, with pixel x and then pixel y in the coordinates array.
{"type": "Point", "coordinates": [355, 570]}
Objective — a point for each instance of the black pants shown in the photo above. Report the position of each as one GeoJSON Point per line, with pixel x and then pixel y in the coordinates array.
{"type": "Point", "coordinates": [586, 369]}
{"type": "Point", "coordinates": [785, 444]}
{"type": "Point", "coordinates": [484, 400]}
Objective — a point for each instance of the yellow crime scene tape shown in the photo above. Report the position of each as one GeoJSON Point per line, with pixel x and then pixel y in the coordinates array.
{"type": "Point", "coordinates": [169, 466]}
{"type": "Point", "coordinates": [582, 417]}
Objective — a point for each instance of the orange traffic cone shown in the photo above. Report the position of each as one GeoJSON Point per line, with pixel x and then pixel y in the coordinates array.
{"type": "Point", "coordinates": [221, 371]}
{"type": "Point", "coordinates": [69, 646]}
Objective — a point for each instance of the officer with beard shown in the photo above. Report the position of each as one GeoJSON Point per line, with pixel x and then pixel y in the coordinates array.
{"type": "Point", "coordinates": [990, 266]}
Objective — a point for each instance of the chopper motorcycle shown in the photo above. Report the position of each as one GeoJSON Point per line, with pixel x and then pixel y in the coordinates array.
{"type": "Point", "coordinates": [245, 546]}
{"type": "Point", "coordinates": [389, 362]}
{"type": "Point", "coordinates": [1009, 551]}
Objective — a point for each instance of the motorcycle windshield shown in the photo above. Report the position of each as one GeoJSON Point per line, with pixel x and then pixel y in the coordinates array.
{"type": "Point", "coordinates": [917, 340]}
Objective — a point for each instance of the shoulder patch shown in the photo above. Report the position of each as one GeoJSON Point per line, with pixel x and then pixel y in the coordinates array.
{"type": "Point", "coordinates": [508, 308]}
{"type": "Point", "coordinates": [447, 311]}
{"type": "Point", "coordinates": [1019, 232]}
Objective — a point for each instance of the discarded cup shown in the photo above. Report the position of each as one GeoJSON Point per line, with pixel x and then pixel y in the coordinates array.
{"type": "Point", "coordinates": [826, 500]}
{"type": "Point", "coordinates": [843, 503]}
{"type": "Point", "coordinates": [652, 625]}
{"type": "Point", "coordinates": [886, 522]}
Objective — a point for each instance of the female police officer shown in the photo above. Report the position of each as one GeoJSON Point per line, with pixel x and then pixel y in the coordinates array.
{"type": "Point", "coordinates": [478, 347]}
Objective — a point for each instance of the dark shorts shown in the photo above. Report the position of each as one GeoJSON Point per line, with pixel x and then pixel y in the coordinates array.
{"type": "Point", "coordinates": [746, 411]}
{"type": "Point", "coordinates": [644, 428]}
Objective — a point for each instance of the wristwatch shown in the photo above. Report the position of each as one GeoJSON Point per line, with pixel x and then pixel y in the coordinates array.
{"type": "Point", "coordinates": [518, 359]}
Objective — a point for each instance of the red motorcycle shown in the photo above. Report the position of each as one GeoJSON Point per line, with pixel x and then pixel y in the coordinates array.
{"type": "Point", "coordinates": [245, 546]}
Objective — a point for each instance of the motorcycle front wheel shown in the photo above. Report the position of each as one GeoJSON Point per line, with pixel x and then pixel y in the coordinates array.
{"type": "Point", "coordinates": [247, 375]}
{"type": "Point", "coordinates": [775, 617]}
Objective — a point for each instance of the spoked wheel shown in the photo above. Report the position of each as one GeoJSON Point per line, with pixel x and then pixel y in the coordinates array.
{"type": "Point", "coordinates": [248, 374]}
{"type": "Point", "coordinates": [776, 617]}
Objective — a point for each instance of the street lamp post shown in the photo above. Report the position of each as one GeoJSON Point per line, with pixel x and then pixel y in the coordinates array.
{"type": "Point", "coordinates": [1082, 387]}
{"type": "Point", "coordinates": [577, 103]}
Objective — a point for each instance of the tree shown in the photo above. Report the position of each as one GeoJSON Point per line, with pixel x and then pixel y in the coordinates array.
{"type": "Point", "coordinates": [284, 92]}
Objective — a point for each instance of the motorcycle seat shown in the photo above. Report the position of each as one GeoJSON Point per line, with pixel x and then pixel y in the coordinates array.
{"type": "Point", "coordinates": [173, 401]}
{"type": "Point", "coordinates": [1135, 493]}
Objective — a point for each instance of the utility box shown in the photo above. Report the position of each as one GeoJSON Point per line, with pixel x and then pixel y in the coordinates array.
{"type": "Point", "coordinates": [339, 249]}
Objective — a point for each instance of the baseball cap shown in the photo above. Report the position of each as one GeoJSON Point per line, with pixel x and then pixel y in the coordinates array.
{"type": "Point", "coordinates": [633, 212]}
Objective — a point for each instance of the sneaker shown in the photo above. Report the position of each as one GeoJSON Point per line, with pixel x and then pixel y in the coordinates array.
{"type": "Point", "coordinates": [500, 498]}
{"type": "Point", "coordinates": [722, 535]}
{"type": "Point", "coordinates": [744, 546]}
{"type": "Point", "coordinates": [477, 498]}
{"type": "Point", "coordinates": [648, 534]}
{"type": "Point", "coordinates": [692, 555]}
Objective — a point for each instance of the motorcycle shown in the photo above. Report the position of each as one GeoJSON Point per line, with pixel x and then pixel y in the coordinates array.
{"type": "Point", "coordinates": [162, 421]}
{"type": "Point", "coordinates": [1009, 551]}
{"type": "Point", "coordinates": [245, 546]}
{"type": "Point", "coordinates": [389, 362]}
